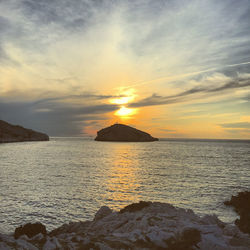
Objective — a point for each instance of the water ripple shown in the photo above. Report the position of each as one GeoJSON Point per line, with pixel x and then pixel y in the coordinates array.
{"type": "Point", "coordinates": [68, 179]}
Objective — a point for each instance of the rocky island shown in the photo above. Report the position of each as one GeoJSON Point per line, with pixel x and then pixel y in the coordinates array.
{"type": "Point", "coordinates": [123, 133]}
{"type": "Point", "coordinates": [143, 225]}
{"type": "Point", "coordinates": [15, 133]}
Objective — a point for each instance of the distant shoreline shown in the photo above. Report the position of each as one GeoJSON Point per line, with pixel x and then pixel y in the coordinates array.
{"type": "Point", "coordinates": [204, 139]}
{"type": "Point", "coordinates": [165, 139]}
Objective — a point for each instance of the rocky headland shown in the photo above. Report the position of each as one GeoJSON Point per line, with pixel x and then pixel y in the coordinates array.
{"type": "Point", "coordinates": [123, 133]}
{"type": "Point", "coordinates": [241, 204]}
{"type": "Point", "coordinates": [144, 225]}
{"type": "Point", "coordinates": [15, 133]}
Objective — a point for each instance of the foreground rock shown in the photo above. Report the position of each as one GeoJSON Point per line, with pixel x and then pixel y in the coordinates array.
{"type": "Point", "coordinates": [144, 225]}
{"type": "Point", "coordinates": [30, 230]}
{"type": "Point", "coordinates": [123, 133]}
{"type": "Point", "coordinates": [15, 133]}
{"type": "Point", "coordinates": [241, 204]}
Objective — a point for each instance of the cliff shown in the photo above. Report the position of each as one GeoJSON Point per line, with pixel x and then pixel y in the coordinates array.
{"type": "Point", "coordinates": [123, 133]}
{"type": "Point", "coordinates": [15, 133]}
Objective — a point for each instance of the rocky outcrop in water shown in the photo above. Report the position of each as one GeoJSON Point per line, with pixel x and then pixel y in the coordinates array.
{"type": "Point", "coordinates": [123, 133]}
{"type": "Point", "coordinates": [241, 204]}
{"type": "Point", "coordinates": [144, 225]}
{"type": "Point", "coordinates": [15, 133]}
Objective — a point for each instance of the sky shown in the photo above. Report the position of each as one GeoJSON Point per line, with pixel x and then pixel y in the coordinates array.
{"type": "Point", "coordinates": [173, 68]}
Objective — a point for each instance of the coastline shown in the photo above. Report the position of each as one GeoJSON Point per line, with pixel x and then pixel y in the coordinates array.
{"type": "Point", "coordinates": [144, 225]}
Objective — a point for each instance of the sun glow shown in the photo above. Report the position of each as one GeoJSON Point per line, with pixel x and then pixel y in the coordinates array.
{"type": "Point", "coordinates": [125, 97]}
{"type": "Point", "coordinates": [125, 112]}
{"type": "Point", "coordinates": [122, 100]}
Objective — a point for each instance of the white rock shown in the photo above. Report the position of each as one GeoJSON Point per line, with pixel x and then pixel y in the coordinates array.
{"type": "Point", "coordinates": [231, 230]}
{"type": "Point", "coordinates": [24, 237]}
{"type": "Point", "coordinates": [212, 242]}
{"type": "Point", "coordinates": [158, 237]}
{"type": "Point", "coordinates": [37, 237]}
{"type": "Point", "coordinates": [51, 244]}
{"type": "Point", "coordinates": [25, 245]}
{"type": "Point", "coordinates": [153, 225]}
{"type": "Point", "coordinates": [102, 212]}
{"type": "Point", "coordinates": [4, 246]}
{"type": "Point", "coordinates": [7, 239]}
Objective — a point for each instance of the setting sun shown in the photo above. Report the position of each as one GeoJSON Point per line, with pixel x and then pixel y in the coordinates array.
{"type": "Point", "coordinates": [123, 112]}
{"type": "Point", "coordinates": [132, 117]}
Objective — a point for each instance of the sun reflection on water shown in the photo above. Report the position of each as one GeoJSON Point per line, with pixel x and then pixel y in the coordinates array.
{"type": "Point", "coordinates": [122, 179]}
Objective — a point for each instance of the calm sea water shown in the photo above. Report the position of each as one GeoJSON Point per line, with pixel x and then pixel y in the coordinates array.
{"type": "Point", "coordinates": [69, 179]}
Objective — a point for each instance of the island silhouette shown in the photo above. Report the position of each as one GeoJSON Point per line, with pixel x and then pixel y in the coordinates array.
{"type": "Point", "coordinates": [16, 133]}
{"type": "Point", "coordinates": [123, 133]}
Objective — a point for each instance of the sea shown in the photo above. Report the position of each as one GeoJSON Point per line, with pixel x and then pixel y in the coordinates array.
{"type": "Point", "coordinates": [69, 179]}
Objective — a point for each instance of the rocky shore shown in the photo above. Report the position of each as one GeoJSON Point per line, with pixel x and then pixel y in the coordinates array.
{"type": "Point", "coordinates": [15, 133]}
{"type": "Point", "coordinates": [144, 225]}
{"type": "Point", "coordinates": [241, 204]}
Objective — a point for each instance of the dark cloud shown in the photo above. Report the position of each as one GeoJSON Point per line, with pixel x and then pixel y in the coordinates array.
{"type": "Point", "coordinates": [241, 83]}
{"type": "Point", "coordinates": [238, 131]}
{"type": "Point", "coordinates": [243, 125]}
{"type": "Point", "coordinates": [36, 25]}
{"type": "Point", "coordinates": [216, 32]}
{"type": "Point", "coordinates": [5, 26]}
{"type": "Point", "coordinates": [183, 96]}
{"type": "Point", "coordinates": [153, 100]}
{"type": "Point", "coordinates": [3, 56]}
{"type": "Point", "coordinates": [11, 33]}
{"type": "Point", "coordinates": [55, 118]}
{"type": "Point", "coordinates": [49, 12]}
{"type": "Point", "coordinates": [69, 15]}
{"type": "Point", "coordinates": [77, 97]}
{"type": "Point", "coordinates": [204, 33]}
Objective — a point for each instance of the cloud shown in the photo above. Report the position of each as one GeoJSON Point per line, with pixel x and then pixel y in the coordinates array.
{"type": "Point", "coordinates": [207, 90]}
{"type": "Point", "coordinates": [191, 35]}
{"type": "Point", "coordinates": [56, 116]}
{"type": "Point", "coordinates": [239, 132]}
{"type": "Point", "coordinates": [81, 97]}
{"type": "Point", "coordinates": [34, 27]}
{"type": "Point", "coordinates": [186, 33]}
{"type": "Point", "coordinates": [158, 36]}
{"type": "Point", "coordinates": [67, 14]}
{"type": "Point", "coordinates": [6, 34]}
{"type": "Point", "coordinates": [243, 125]}
{"type": "Point", "coordinates": [77, 47]}
{"type": "Point", "coordinates": [168, 130]}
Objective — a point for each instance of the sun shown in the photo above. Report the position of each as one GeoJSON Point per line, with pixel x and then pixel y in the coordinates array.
{"type": "Point", "coordinates": [125, 112]}
{"type": "Point", "coordinates": [123, 98]}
